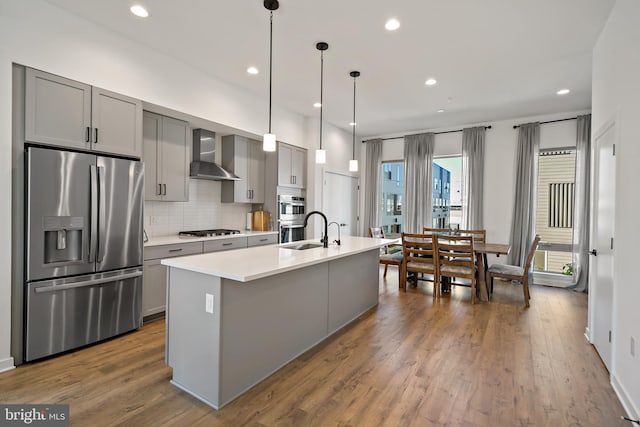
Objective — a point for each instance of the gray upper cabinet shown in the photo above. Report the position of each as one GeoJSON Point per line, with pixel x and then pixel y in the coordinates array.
{"type": "Point", "coordinates": [291, 166]}
{"type": "Point", "coordinates": [67, 113]}
{"type": "Point", "coordinates": [245, 158]}
{"type": "Point", "coordinates": [166, 158]}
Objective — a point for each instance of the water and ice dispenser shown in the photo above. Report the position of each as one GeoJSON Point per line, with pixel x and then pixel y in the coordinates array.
{"type": "Point", "coordinates": [63, 239]}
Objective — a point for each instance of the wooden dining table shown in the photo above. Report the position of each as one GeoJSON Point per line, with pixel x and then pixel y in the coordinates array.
{"type": "Point", "coordinates": [481, 250]}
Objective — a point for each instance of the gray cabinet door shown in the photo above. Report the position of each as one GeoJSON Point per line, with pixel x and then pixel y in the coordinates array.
{"type": "Point", "coordinates": [298, 167]}
{"type": "Point", "coordinates": [166, 158]}
{"type": "Point", "coordinates": [151, 131]}
{"type": "Point", "coordinates": [285, 154]}
{"type": "Point", "coordinates": [57, 110]}
{"type": "Point", "coordinates": [154, 288]}
{"type": "Point", "coordinates": [175, 160]}
{"type": "Point", "coordinates": [117, 123]}
{"type": "Point", "coordinates": [245, 158]}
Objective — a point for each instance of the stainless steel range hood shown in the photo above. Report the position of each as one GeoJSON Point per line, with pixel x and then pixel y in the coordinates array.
{"type": "Point", "coordinates": [203, 165]}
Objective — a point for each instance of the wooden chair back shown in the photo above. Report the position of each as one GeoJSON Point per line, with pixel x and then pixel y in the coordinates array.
{"type": "Point", "coordinates": [532, 252]}
{"type": "Point", "coordinates": [427, 230]}
{"type": "Point", "coordinates": [419, 256]}
{"type": "Point", "coordinates": [479, 236]}
{"type": "Point", "coordinates": [456, 258]}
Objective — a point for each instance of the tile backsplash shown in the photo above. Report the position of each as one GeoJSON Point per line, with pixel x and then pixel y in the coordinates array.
{"type": "Point", "coordinates": [204, 210]}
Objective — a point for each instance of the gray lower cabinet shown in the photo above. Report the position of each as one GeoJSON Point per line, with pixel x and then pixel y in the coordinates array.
{"type": "Point", "coordinates": [154, 284]}
{"type": "Point", "coordinates": [64, 112]}
{"type": "Point", "coordinates": [261, 240]}
{"type": "Point", "coordinates": [154, 287]}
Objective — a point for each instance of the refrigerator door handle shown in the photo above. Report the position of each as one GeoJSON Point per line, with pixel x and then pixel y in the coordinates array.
{"type": "Point", "coordinates": [93, 234]}
{"type": "Point", "coordinates": [87, 283]}
{"type": "Point", "coordinates": [101, 214]}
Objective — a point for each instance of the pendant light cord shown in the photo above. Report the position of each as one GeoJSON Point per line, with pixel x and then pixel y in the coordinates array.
{"type": "Point", "coordinates": [270, 64]}
{"type": "Point", "coordinates": [354, 119]}
{"type": "Point", "coordinates": [321, 102]}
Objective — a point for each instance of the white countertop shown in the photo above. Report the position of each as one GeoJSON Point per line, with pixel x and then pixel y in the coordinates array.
{"type": "Point", "coordinates": [254, 263]}
{"type": "Point", "coordinates": [173, 239]}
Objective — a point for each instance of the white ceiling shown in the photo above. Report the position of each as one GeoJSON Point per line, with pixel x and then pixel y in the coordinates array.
{"type": "Point", "coordinates": [493, 59]}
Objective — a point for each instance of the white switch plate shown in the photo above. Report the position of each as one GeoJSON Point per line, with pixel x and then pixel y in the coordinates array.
{"type": "Point", "coordinates": [209, 303]}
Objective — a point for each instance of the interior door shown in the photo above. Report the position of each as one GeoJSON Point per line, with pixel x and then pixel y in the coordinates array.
{"type": "Point", "coordinates": [602, 242]}
{"type": "Point", "coordinates": [340, 202]}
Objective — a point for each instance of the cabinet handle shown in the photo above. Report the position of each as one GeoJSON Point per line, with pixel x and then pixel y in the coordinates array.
{"type": "Point", "coordinates": [159, 193]}
{"type": "Point", "coordinates": [88, 134]}
{"type": "Point", "coordinates": [263, 240]}
{"type": "Point", "coordinates": [291, 179]}
{"type": "Point", "coordinates": [227, 244]}
{"type": "Point", "coordinates": [96, 141]}
{"type": "Point", "coordinates": [175, 250]}
{"type": "Point", "coordinates": [251, 194]}
{"type": "Point", "coordinates": [248, 194]}
{"type": "Point", "coordinates": [164, 192]}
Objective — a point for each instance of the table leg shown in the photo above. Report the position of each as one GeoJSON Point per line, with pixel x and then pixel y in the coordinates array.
{"type": "Point", "coordinates": [482, 282]}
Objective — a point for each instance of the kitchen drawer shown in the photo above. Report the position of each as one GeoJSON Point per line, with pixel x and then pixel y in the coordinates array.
{"type": "Point", "coordinates": [225, 244]}
{"type": "Point", "coordinates": [264, 239]}
{"type": "Point", "coordinates": [170, 251]}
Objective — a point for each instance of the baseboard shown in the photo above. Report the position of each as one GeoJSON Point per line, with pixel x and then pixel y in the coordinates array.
{"type": "Point", "coordinates": [7, 364]}
{"type": "Point", "coordinates": [632, 411]}
{"type": "Point", "coordinates": [587, 335]}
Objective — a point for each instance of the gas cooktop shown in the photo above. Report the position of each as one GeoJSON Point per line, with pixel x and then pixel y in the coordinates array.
{"type": "Point", "coordinates": [208, 233]}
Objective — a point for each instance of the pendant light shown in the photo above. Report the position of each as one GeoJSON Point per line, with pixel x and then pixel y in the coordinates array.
{"type": "Point", "coordinates": [269, 139]}
{"type": "Point", "coordinates": [353, 163]}
{"type": "Point", "coordinates": [321, 155]}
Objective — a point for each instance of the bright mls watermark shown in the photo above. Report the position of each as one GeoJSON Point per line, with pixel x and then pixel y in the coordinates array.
{"type": "Point", "coordinates": [34, 415]}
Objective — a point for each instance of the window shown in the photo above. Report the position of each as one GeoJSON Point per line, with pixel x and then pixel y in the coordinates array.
{"type": "Point", "coordinates": [554, 211]}
{"type": "Point", "coordinates": [447, 192]}
{"type": "Point", "coordinates": [392, 197]}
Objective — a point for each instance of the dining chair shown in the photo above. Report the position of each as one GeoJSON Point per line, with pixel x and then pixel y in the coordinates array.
{"type": "Point", "coordinates": [456, 259]}
{"type": "Point", "coordinates": [478, 235]}
{"type": "Point", "coordinates": [427, 230]}
{"type": "Point", "coordinates": [514, 272]}
{"type": "Point", "coordinates": [390, 254]}
{"type": "Point", "coordinates": [419, 256]}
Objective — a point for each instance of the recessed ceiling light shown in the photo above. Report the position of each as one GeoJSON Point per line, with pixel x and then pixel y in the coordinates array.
{"type": "Point", "coordinates": [563, 91]}
{"type": "Point", "coordinates": [440, 110]}
{"type": "Point", "coordinates": [252, 70]}
{"type": "Point", "coordinates": [317, 104]}
{"type": "Point", "coordinates": [138, 10]}
{"type": "Point", "coordinates": [431, 82]}
{"type": "Point", "coordinates": [392, 24]}
{"type": "Point", "coordinates": [352, 124]}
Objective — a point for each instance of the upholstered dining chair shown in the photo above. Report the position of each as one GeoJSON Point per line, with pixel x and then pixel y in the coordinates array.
{"type": "Point", "coordinates": [390, 254]}
{"type": "Point", "coordinates": [456, 258]}
{"type": "Point", "coordinates": [419, 256]}
{"type": "Point", "coordinates": [514, 272]}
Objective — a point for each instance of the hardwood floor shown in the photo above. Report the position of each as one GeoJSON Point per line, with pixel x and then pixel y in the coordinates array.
{"type": "Point", "coordinates": [411, 361]}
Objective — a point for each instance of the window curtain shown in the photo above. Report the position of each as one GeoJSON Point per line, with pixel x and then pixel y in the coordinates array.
{"type": "Point", "coordinates": [418, 159]}
{"type": "Point", "coordinates": [472, 177]}
{"type": "Point", "coordinates": [371, 217]}
{"type": "Point", "coordinates": [581, 204]}
{"type": "Point", "coordinates": [523, 222]}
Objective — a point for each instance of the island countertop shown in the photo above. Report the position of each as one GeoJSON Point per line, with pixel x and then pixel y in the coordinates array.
{"type": "Point", "coordinates": [248, 264]}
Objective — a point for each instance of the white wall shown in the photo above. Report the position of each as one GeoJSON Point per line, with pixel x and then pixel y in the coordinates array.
{"type": "Point", "coordinates": [500, 152]}
{"type": "Point", "coordinates": [616, 95]}
{"type": "Point", "coordinates": [39, 35]}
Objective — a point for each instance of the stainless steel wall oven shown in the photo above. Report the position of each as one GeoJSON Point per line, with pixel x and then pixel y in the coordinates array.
{"type": "Point", "coordinates": [291, 212]}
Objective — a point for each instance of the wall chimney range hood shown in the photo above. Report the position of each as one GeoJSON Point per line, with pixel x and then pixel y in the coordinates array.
{"type": "Point", "coordinates": [203, 165]}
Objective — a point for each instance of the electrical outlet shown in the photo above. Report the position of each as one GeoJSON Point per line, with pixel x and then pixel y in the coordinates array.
{"type": "Point", "coordinates": [632, 345]}
{"type": "Point", "coordinates": [209, 303]}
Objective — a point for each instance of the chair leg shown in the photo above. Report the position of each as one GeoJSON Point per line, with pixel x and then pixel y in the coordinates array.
{"type": "Point", "coordinates": [525, 290]}
{"type": "Point", "coordinates": [403, 277]}
{"type": "Point", "coordinates": [385, 270]}
{"type": "Point", "coordinates": [473, 291]}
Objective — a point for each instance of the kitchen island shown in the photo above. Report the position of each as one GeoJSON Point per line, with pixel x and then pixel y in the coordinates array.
{"type": "Point", "coordinates": [233, 318]}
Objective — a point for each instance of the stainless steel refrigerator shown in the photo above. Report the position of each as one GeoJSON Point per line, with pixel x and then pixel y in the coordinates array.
{"type": "Point", "coordinates": [83, 233]}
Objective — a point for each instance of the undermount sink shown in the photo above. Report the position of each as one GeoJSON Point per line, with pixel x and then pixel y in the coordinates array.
{"type": "Point", "coordinates": [303, 246]}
